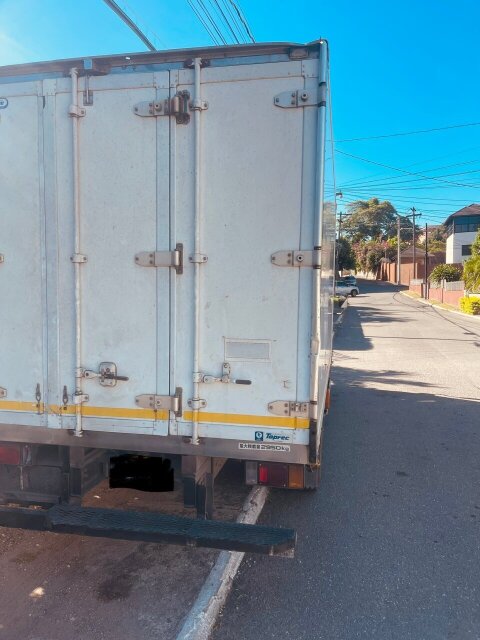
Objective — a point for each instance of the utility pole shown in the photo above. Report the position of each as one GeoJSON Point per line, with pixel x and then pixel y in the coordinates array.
{"type": "Point", "coordinates": [426, 261]}
{"type": "Point", "coordinates": [414, 215]}
{"type": "Point", "coordinates": [340, 214]}
{"type": "Point", "coordinates": [398, 250]}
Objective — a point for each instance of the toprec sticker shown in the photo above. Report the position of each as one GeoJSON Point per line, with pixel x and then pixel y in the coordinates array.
{"type": "Point", "coordinates": [3, 103]}
{"type": "Point", "coordinates": [262, 436]}
{"type": "Point", "coordinates": [256, 446]}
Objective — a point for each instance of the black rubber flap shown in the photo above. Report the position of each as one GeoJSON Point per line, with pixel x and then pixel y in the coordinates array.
{"type": "Point", "coordinates": [158, 527]}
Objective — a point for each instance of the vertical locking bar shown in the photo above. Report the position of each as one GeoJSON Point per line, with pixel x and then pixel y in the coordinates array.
{"type": "Point", "coordinates": [197, 65]}
{"type": "Point", "coordinates": [75, 113]}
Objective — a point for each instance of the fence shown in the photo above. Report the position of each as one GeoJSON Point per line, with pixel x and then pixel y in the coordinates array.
{"type": "Point", "coordinates": [446, 292]}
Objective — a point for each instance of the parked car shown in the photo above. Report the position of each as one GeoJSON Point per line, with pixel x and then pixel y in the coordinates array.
{"type": "Point", "coordinates": [342, 288]}
{"type": "Point", "coordinates": [349, 280]}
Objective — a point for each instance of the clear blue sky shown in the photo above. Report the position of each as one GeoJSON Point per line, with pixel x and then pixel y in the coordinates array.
{"type": "Point", "coordinates": [395, 67]}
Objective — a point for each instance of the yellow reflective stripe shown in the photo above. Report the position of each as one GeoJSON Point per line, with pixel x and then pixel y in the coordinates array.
{"type": "Point", "coordinates": [149, 414]}
{"type": "Point", "coordinates": [246, 419]}
{"type": "Point", "coordinates": [111, 412]}
{"type": "Point", "coordinates": [12, 405]}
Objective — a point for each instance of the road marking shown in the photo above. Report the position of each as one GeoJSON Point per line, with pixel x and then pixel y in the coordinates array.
{"type": "Point", "coordinates": [202, 616]}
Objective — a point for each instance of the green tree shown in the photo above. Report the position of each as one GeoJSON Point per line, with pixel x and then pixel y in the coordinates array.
{"type": "Point", "coordinates": [438, 235]}
{"type": "Point", "coordinates": [471, 268]}
{"type": "Point", "coordinates": [345, 257]}
{"type": "Point", "coordinates": [448, 272]}
{"type": "Point", "coordinates": [369, 254]}
{"type": "Point", "coordinates": [374, 220]}
{"type": "Point", "coordinates": [437, 240]}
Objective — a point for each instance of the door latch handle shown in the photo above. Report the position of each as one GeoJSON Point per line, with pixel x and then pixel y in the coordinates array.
{"type": "Point", "coordinates": [107, 374]}
{"type": "Point", "coordinates": [225, 378]}
{"type": "Point", "coordinates": [111, 376]}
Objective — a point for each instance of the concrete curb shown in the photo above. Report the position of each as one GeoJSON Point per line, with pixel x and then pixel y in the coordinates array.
{"type": "Point", "coordinates": [465, 316]}
{"type": "Point", "coordinates": [202, 616]}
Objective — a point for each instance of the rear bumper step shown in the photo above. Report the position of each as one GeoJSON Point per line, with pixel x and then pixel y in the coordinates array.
{"type": "Point", "coordinates": [153, 527]}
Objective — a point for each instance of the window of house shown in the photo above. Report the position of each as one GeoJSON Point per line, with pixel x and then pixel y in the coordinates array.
{"type": "Point", "coordinates": [466, 249]}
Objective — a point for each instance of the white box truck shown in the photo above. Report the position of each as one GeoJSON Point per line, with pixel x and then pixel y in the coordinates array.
{"type": "Point", "coordinates": [166, 276]}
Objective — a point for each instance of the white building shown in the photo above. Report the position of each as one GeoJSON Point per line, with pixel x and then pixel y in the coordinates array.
{"type": "Point", "coordinates": [462, 227]}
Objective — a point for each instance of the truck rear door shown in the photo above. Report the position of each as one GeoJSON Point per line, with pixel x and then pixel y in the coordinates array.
{"type": "Point", "coordinates": [22, 260]}
{"type": "Point", "coordinates": [124, 203]}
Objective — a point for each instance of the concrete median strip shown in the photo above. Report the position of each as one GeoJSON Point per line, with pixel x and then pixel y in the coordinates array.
{"type": "Point", "coordinates": [202, 616]}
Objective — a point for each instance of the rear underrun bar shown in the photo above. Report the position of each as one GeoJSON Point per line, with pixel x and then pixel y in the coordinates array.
{"type": "Point", "coordinates": [153, 527]}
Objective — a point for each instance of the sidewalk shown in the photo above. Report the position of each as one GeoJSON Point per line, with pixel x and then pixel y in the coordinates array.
{"type": "Point", "coordinates": [442, 305]}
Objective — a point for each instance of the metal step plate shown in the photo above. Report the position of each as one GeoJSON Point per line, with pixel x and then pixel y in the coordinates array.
{"type": "Point", "coordinates": [154, 527]}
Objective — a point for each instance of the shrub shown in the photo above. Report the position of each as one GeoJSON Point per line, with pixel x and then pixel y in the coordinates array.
{"type": "Point", "coordinates": [471, 273]}
{"type": "Point", "coordinates": [448, 272]}
{"type": "Point", "coordinates": [470, 305]}
{"type": "Point", "coordinates": [338, 301]}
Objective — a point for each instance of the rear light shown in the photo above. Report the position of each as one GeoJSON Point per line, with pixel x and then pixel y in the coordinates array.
{"type": "Point", "coordinates": [262, 474]}
{"type": "Point", "coordinates": [274, 474]}
{"type": "Point", "coordinates": [10, 454]}
{"type": "Point", "coordinates": [251, 472]}
{"type": "Point", "coordinates": [296, 476]}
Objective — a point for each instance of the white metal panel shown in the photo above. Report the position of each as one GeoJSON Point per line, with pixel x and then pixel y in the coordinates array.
{"type": "Point", "coordinates": [251, 172]}
{"type": "Point", "coordinates": [124, 184]}
{"type": "Point", "coordinates": [22, 272]}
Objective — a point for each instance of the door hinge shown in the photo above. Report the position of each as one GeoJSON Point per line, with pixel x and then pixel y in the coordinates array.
{"type": "Point", "coordinates": [177, 106]}
{"type": "Point", "coordinates": [286, 408]}
{"type": "Point", "coordinates": [76, 112]}
{"type": "Point", "coordinates": [294, 99]}
{"type": "Point", "coordinates": [3, 392]}
{"type": "Point", "coordinates": [80, 398]}
{"type": "Point", "coordinates": [155, 402]}
{"type": "Point", "coordinates": [172, 259]}
{"type": "Point", "coordinates": [79, 258]}
{"type": "Point", "coordinates": [197, 403]}
{"type": "Point", "coordinates": [2, 258]}
{"type": "Point", "coordinates": [291, 258]}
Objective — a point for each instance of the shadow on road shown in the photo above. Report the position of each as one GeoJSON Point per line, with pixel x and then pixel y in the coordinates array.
{"type": "Point", "coordinates": [374, 286]}
{"type": "Point", "coordinates": [388, 546]}
{"type": "Point", "coordinates": [365, 377]}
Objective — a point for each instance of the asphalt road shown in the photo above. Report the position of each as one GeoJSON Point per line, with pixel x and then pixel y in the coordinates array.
{"type": "Point", "coordinates": [389, 546]}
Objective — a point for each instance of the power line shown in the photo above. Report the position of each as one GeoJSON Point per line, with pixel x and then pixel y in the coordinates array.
{"type": "Point", "coordinates": [130, 23]}
{"type": "Point", "coordinates": [223, 20]}
{"type": "Point", "coordinates": [242, 18]}
{"type": "Point", "coordinates": [233, 16]}
{"type": "Point", "coordinates": [413, 164]}
{"type": "Point", "coordinates": [400, 180]}
{"type": "Point", "coordinates": [205, 25]}
{"type": "Point", "coordinates": [410, 133]}
{"type": "Point", "coordinates": [212, 21]}
{"type": "Point", "coordinates": [227, 22]}
{"type": "Point", "coordinates": [410, 173]}
{"type": "Point", "coordinates": [139, 21]}
{"type": "Point", "coordinates": [437, 201]}
{"type": "Point", "coordinates": [379, 180]}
